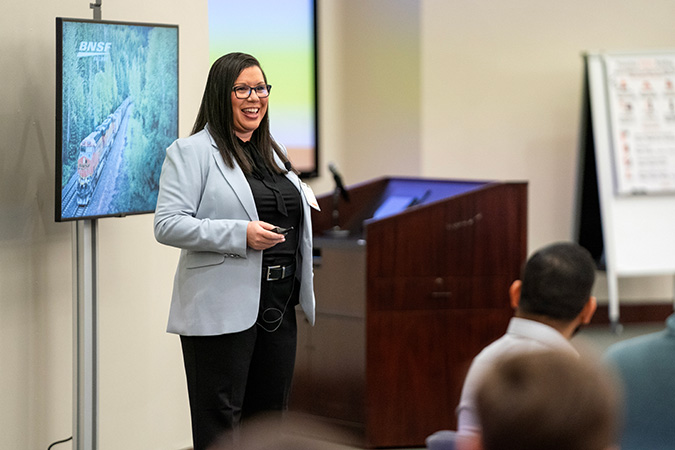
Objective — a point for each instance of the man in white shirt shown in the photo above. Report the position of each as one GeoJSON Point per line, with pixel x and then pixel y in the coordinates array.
{"type": "Point", "coordinates": [551, 302]}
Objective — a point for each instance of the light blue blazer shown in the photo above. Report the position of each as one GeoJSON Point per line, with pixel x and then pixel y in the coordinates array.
{"type": "Point", "coordinates": [203, 208]}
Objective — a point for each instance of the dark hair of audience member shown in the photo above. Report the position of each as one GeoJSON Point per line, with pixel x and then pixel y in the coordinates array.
{"type": "Point", "coordinates": [557, 281]}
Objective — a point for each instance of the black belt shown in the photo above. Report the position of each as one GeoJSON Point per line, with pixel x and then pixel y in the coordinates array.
{"type": "Point", "coordinates": [274, 273]}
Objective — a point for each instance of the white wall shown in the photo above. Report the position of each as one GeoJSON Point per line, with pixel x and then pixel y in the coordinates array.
{"type": "Point", "coordinates": [369, 75]}
{"type": "Point", "coordinates": [461, 89]}
{"type": "Point", "coordinates": [143, 400]}
{"type": "Point", "coordinates": [508, 102]}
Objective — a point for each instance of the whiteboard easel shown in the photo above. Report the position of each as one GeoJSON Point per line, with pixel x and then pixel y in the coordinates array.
{"type": "Point", "coordinates": [637, 220]}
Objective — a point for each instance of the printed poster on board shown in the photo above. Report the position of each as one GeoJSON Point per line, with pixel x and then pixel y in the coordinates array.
{"type": "Point", "coordinates": [641, 95]}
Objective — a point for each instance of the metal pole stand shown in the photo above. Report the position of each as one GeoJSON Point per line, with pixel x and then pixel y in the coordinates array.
{"type": "Point", "coordinates": [85, 335]}
{"type": "Point", "coordinates": [97, 9]}
{"type": "Point", "coordinates": [85, 324]}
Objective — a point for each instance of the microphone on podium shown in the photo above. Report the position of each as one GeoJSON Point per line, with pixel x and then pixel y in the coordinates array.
{"type": "Point", "coordinates": [339, 191]}
{"type": "Point", "coordinates": [339, 185]}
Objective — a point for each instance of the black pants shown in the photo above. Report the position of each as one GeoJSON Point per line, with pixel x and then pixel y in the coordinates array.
{"type": "Point", "coordinates": [237, 375]}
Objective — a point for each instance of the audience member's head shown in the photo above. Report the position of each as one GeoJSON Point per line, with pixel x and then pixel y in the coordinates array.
{"type": "Point", "coordinates": [269, 431]}
{"type": "Point", "coordinates": [556, 284]}
{"type": "Point", "coordinates": [548, 401]}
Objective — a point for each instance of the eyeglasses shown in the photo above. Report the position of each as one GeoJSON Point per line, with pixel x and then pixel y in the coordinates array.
{"type": "Point", "coordinates": [244, 92]}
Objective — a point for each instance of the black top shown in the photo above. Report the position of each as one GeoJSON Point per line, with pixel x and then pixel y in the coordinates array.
{"type": "Point", "coordinates": [278, 202]}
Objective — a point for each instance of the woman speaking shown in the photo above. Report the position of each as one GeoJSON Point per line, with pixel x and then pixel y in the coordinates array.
{"type": "Point", "coordinates": [230, 200]}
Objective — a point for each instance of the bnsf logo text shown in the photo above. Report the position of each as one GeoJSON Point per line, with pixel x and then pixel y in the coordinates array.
{"type": "Point", "coordinates": [93, 48]}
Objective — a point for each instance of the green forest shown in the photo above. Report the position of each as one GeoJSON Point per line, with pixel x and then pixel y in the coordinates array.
{"type": "Point", "coordinates": [140, 63]}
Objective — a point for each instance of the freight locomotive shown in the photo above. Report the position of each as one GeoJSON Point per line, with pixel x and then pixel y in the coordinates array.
{"type": "Point", "coordinates": [93, 152]}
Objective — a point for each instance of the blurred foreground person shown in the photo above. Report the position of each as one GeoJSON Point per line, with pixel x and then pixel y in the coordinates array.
{"type": "Point", "coordinates": [293, 432]}
{"type": "Point", "coordinates": [646, 366]}
{"type": "Point", "coordinates": [548, 401]}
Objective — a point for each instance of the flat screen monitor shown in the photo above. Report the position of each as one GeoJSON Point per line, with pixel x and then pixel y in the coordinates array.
{"type": "Point", "coordinates": [116, 113]}
{"type": "Point", "coordinates": [282, 36]}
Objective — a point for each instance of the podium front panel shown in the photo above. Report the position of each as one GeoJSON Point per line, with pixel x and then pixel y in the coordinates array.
{"type": "Point", "coordinates": [406, 301]}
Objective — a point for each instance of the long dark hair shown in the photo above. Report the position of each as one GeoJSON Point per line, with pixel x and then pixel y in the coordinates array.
{"type": "Point", "coordinates": [216, 110]}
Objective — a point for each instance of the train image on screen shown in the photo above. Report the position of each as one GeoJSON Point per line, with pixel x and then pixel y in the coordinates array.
{"type": "Point", "coordinates": [93, 151]}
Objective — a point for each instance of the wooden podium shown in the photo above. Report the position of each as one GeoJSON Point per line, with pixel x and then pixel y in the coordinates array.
{"type": "Point", "coordinates": [406, 297]}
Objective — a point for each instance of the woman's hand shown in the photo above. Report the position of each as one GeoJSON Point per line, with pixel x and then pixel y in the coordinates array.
{"type": "Point", "coordinates": [259, 236]}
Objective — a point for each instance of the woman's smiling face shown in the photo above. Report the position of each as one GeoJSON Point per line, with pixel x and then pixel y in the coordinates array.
{"type": "Point", "coordinates": [248, 112]}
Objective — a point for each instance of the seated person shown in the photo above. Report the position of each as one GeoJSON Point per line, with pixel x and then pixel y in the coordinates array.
{"type": "Point", "coordinates": [646, 367]}
{"type": "Point", "coordinates": [547, 401]}
{"type": "Point", "coordinates": [551, 302]}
